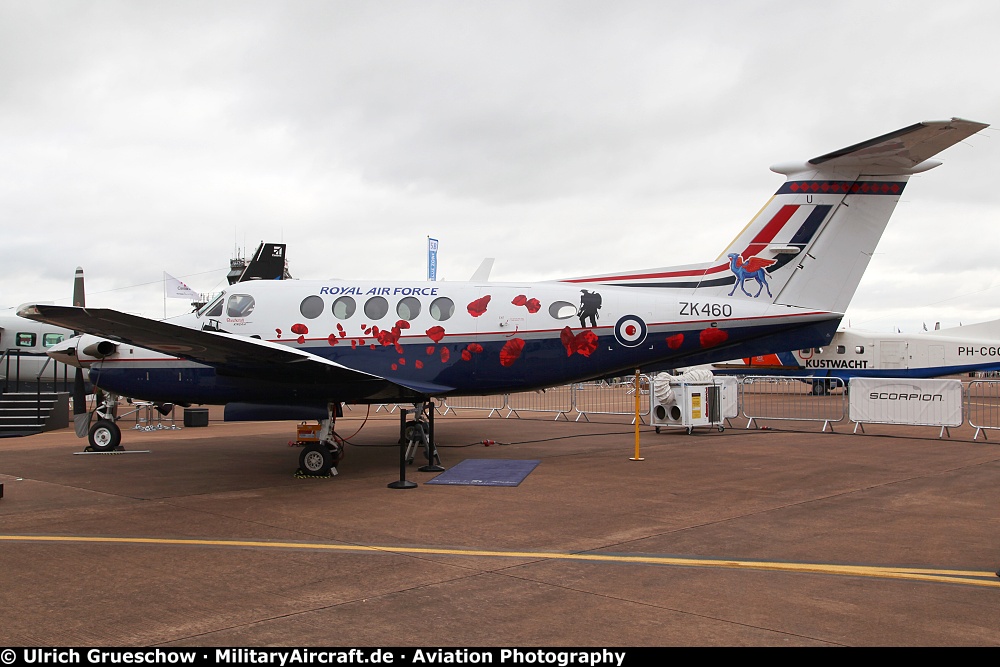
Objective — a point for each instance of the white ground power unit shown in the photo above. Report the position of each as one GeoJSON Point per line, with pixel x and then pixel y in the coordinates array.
{"type": "Point", "coordinates": [686, 401]}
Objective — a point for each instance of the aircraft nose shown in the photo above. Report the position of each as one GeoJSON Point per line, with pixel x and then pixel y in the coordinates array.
{"type": "Point", "coordinates": [65, 351]}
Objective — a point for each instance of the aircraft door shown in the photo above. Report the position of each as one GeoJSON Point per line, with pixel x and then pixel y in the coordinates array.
{"type": "Point", "coordinates": [935, 355]}
{"type": "Point", "coordinates": [892, 354]}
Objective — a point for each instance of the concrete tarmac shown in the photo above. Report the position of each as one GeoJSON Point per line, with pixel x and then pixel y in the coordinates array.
{"type": "Point", "coordinates": [780, 537]}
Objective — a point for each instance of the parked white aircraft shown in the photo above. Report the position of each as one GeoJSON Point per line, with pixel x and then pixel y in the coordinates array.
{"type": "Point", "coordinates": [320, 343]}
{"type": "Point", "coordinates": [856, 353]}
{"type": "Point", "coordinates": [23, 347]}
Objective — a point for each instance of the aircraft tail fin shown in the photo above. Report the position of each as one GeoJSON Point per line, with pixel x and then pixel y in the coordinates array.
{"type": "Point", "coordinates": [811, 242]}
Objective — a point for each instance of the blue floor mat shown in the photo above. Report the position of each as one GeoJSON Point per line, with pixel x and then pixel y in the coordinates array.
{"type": "Point", "coordinates": [486, 472]}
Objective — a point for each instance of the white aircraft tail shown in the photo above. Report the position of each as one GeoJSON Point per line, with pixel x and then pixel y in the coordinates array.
{"type": "Point", "coordinates": [812, 241]}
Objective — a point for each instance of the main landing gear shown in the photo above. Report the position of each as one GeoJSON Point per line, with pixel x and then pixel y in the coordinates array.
{"type": "Point", "coordinates": [320, 458]}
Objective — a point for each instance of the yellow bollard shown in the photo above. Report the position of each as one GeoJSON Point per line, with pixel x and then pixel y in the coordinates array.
{"type": "Point", "coordinates": [638, 406]}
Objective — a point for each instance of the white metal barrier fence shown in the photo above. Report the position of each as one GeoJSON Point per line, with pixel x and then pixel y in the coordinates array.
{"type": "Point", "coordinates": [982, 401]}
{"type": "Point", "coordinates": [793, 399]}
{"type": "Point", "coordinates": [617, 398]}
{"type": "Point", "coordinates": [555, 400]}
{"type": "Point", "coordinates": [585, 398]}
{"type": "Point", "coordinates": [493, 404]}
{"type": "Point", "coordinates": [905, 401]}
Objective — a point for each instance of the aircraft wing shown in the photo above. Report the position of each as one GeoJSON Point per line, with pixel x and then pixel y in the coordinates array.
{"type": "Point", "coordinates": [228, 353]}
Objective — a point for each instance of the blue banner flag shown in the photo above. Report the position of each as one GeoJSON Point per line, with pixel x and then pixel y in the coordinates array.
{"type": "Point", "coordinates": [432, 258]}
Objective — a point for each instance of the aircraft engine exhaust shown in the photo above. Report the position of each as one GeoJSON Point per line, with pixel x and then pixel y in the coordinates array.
{"type": "Point", "coordinates": [100, 349]}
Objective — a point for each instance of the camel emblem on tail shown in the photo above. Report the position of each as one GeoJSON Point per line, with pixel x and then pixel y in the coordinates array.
{"type": "Point", "coordinates": [751, 268]}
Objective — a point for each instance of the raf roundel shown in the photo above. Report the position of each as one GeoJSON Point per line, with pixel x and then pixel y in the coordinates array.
{"type": "Point", "coordinates": [630, 331]}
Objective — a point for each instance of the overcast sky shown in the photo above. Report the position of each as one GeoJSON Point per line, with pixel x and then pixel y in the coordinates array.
{"type": "Point", "coordinates": [561, 138]}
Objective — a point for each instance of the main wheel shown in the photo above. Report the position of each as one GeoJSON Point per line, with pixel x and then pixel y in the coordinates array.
{"type": "Point", "coordinates": [316, 460]}
{"type": "Point", "coordinates": [104, 436]}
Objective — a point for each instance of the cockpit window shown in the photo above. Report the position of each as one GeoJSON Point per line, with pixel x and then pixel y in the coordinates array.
{"type": "Point", "coordinates": [214, 308]}
{"type": "Point", "coordinates": [240, 305]}
{"type": "Point", "coordinates": [50, 339]}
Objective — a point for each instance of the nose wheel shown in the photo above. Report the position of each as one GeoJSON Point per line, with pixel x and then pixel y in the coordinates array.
{"type": "Point", "coordinates": [318, 459]}
{"type": "Point", "coordinates": [104, 436]}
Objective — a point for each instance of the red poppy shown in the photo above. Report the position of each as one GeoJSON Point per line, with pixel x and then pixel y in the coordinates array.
{"type": "Point", "coordinates": [567, 338]}
{"type": "Point", "coordinates": [343, 334]}
{"type": "Point", "coordinates": [478, 307]}
{"type": "Point", "coordinates": [533, 305]}
{"type": "Point", "coordinates": [300, 329]}
{"type": "Point", "coordinates": [419, 364]}
{"type": "Point", "coordinates": [430, 350]}
{"type": "Point", "coordinates": [435, 333]}
{"type": "Point", "coordinates": [583, 343]}
{"type": "Point", "coordinates": [402, 324]}
{"type": "Point", "coordinates": [393, 367]}
{"type": "Point", "coordinates": [586, 342]}
{"type": "Point", "coordinates": [474, 348]}
{"type": "Point", "coordinates": [399, 348]}
{"type": "Point", "coordinates": [354, 344]}
{"type": "Point", "coordinates": [340, 327]}
{"type": "Point", "coordinates": [445, 355]}
{"type": "Point", "coordinates": [372, 346]}
{"type": "Point", "coordinates": [302, 339]}
{"type": "Point", "coordinates": [520, 300]}
{"type": "Point", "coordinates": [402, 361]}
{"type": "Point", "coordinates": [511, 351]}
{"type": "Point", "coordinates": [332, 340]}
{"type": "Point", "coordinates": [278, 331]}
{"type": "Point", "coordinates": [674, 342]}
{"type": "Point", "coordinates": [466, 355]}
{"type": "Point", "coordinates": [711, 337]}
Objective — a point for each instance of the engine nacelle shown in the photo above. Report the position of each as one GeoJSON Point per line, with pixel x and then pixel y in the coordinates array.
{"type": "Point", "coordinates": [100, 349]}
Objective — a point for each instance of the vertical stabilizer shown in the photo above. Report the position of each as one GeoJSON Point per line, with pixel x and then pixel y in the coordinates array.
{"type": "Point", "coordinates": [811, 242]}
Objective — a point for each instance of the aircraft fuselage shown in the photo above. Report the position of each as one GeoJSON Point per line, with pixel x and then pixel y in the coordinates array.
{"type": "Point", "coordinates": [444, 338]}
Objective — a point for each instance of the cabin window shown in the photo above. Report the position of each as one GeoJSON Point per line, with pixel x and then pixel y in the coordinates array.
{"type": "Point", "coordinates": [562, 310]}
{"type": "Point", "coordinates": [24, 339]}
{"type": "Point", "coordinates": [213, 309]}
{"type": "Point", "coordinates": [50, 339]}
{"type": "Point", "coordinates": [408, 308]}
{"type": "Point", "coordinates": [376, 308]}
{"type": "Point", "coordinates": [841, 349]}
{"type": "Point", "coordinates": [311, 307]}
{"type": "Point", "coordinates": [805, 351]}
{"type": "Point", "coordinates": [860, 349]}
{"type": "Point", "coordinates": [344, 307]}
{"type": "Point", "coordinates": [442, 308]}
{"type": "Point", "coordinates": [240, 305]}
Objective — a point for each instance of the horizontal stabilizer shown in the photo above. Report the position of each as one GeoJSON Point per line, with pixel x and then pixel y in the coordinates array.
{"type": "Point", "coordinates": [900, 151]}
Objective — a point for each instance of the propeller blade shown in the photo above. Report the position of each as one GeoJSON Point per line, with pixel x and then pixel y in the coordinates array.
{"type": "Point", "coordinates": [79, 296]}
{"type": "Point", "coordinates": [81, 417]}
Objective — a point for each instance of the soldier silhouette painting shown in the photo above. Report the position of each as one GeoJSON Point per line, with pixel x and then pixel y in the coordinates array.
{"type": "Point", "coordinates": [590, 303]}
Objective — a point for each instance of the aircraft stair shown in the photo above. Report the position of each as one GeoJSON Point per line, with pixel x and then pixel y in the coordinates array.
{"type": "Point", "coordinates": [30, 413]}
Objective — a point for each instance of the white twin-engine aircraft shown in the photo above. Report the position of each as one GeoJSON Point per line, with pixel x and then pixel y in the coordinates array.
{"type": "Point", "coordinates": [783, 283]}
